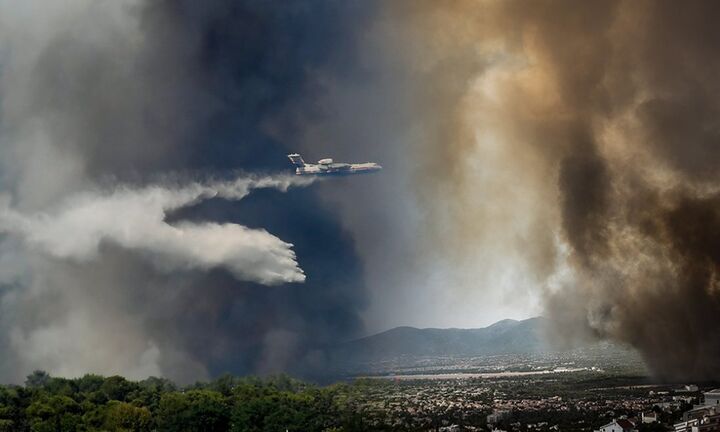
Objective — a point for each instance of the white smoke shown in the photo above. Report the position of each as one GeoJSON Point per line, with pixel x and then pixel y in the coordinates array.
{"type": "Point", "coordinates": [135, 219]}
{"type": "Point", "coordinates": [93, 278]}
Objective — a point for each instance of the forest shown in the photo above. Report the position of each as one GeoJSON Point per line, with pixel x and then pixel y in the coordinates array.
{"type": "Point", "coordinates": [97, 403]}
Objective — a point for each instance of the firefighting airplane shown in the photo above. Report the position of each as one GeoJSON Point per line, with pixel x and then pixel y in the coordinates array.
{"type": "Point", "coordinates": [328, 167]}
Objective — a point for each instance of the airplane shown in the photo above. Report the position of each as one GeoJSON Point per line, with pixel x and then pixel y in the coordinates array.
{"type": "Point", "coordinates": [328, 167]}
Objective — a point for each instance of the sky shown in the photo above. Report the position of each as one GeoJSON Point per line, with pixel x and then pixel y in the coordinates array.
{"type": "Point", "coordinates": [551, 158]}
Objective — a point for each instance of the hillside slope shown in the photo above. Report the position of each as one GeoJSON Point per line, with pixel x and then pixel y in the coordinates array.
{"type": "Point", "coordinates": [506, 336]}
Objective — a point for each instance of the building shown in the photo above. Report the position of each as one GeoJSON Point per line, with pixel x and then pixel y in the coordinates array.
{"type": "Point", "coordinates": [619, 425]}
{"type": "Point", "coordinates": [690, 388]}
{"type": "Point", "coordinates": [649, 417]}
{"type": "Point", "coordinates": [686, 426]}
{"type": "Point", "coordinates": [712, 398]}
{"type": "Point", "coordinates": [708, 423]}
{"type": "Point", "coordinates": [498, 416]}
{"type": "Point", "coordinates": [702, 418]}
{"type": "Point", "coordinates": [700, 411]}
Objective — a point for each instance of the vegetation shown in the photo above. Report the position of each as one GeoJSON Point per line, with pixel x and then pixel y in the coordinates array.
{"type": "Point", "coordinates": [96, 403]}
{"type": "Point", "coordinates": [580, 401]}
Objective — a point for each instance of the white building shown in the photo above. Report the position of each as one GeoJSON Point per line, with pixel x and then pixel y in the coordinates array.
{"type": "Point", "coordinates": [649, 417]}
{"type": "Point", "coordinates": [686, 426]}
{"type": "Point", "coordinates": [703, 418]}
{"type": "Point", "coordinates": [708, 423]}
{"type": "Point", "coordinates": [620, 425]}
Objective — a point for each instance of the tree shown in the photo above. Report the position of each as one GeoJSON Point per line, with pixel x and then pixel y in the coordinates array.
{"type": "Point", "coordinates": [224, 384]}
{"type": "Point", "coordinates": [61, 386]}
{"type": "Point", "coordinates": [158, 384]}
{"type": "Point", "coordinates": [54, 414]}
{"type": "Point", "coordinates": [89, 383]}
{"type": "Point", "coordinates": [11, 410]}
{"type": "Point", "coordinates": [279, 410]}
{"type": "Point", "coordinates": [196, 410]}
{"type": "Point", "coordinates": [7, 426]}
{"type": "Point", "coordinates": [124, 417]}
{"type": "Point", "coordinates": [93, 403]}
{"type": "Point", "coordinates": [117, 388]}
{"type": "Point", "coordinates": [36, 380]}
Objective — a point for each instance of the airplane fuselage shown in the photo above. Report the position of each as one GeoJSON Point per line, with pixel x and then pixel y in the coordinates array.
{"type": "Point", "coordinates": [327, 167]}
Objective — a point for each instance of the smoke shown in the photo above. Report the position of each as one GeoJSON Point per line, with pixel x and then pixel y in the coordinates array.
{"type": "Point", "coordinates": [553, 155]}
{"type": "Point", "coordinates": [135, 219]}
{"type": "Point", "coordinates": [105, 269]}
{"type": "Point", "coordinates": [576, 143]}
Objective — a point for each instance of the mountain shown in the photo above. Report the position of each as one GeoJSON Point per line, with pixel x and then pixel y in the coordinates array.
{"type": "Point", "coordinates": [506, 336]}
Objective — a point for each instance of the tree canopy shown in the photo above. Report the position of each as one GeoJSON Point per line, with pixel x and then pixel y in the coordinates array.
{"type": "Point", "coordinates": [97, 403]}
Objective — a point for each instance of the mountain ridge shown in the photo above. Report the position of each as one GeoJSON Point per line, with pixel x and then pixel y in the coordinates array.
{"type": "Point", "coordinates": [505, 321]}
{"type": "Point", "coordinates": [503, 337]}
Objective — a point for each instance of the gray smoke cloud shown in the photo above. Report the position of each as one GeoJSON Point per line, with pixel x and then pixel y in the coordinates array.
{"type": "Point", "coordinates": [576, 140]}
{"type": "Point", "coordinates": [105, 269]}
{"type": "Point", "coordinates": [555, 156]}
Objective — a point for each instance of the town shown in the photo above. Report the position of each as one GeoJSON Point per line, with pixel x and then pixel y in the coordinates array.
{"type": "Point", "coordinates": [575, 401]}
{"type": "Point", "coordinates": [601, 388]}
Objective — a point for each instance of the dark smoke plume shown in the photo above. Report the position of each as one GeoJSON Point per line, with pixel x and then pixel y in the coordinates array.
{"type": "Point", "coordinates": [96, 94]}
{"type": "Point", "coordinates": [608, 112]}
{"type": "Point", "coordinates": [564, 145]}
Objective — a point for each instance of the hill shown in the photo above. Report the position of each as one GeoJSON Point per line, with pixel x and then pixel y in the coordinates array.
{"type": "Point", "coordinates": [503, 337]}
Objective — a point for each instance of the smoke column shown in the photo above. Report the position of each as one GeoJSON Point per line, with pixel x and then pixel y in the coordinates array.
{"type": "Point", "coordinates": [106, 265]}
{"type": "Point", "coordinates": [582, 139]}
{"type": "Point", "coordinates": [555, 156]}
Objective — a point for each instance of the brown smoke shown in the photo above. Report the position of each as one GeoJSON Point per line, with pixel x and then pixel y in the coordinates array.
{"type": "Point", "coordinates": [585, 135]}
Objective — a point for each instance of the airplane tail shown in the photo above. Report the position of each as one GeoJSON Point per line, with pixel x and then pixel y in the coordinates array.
{"type": "Point", "coordinates": [297, 160]}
